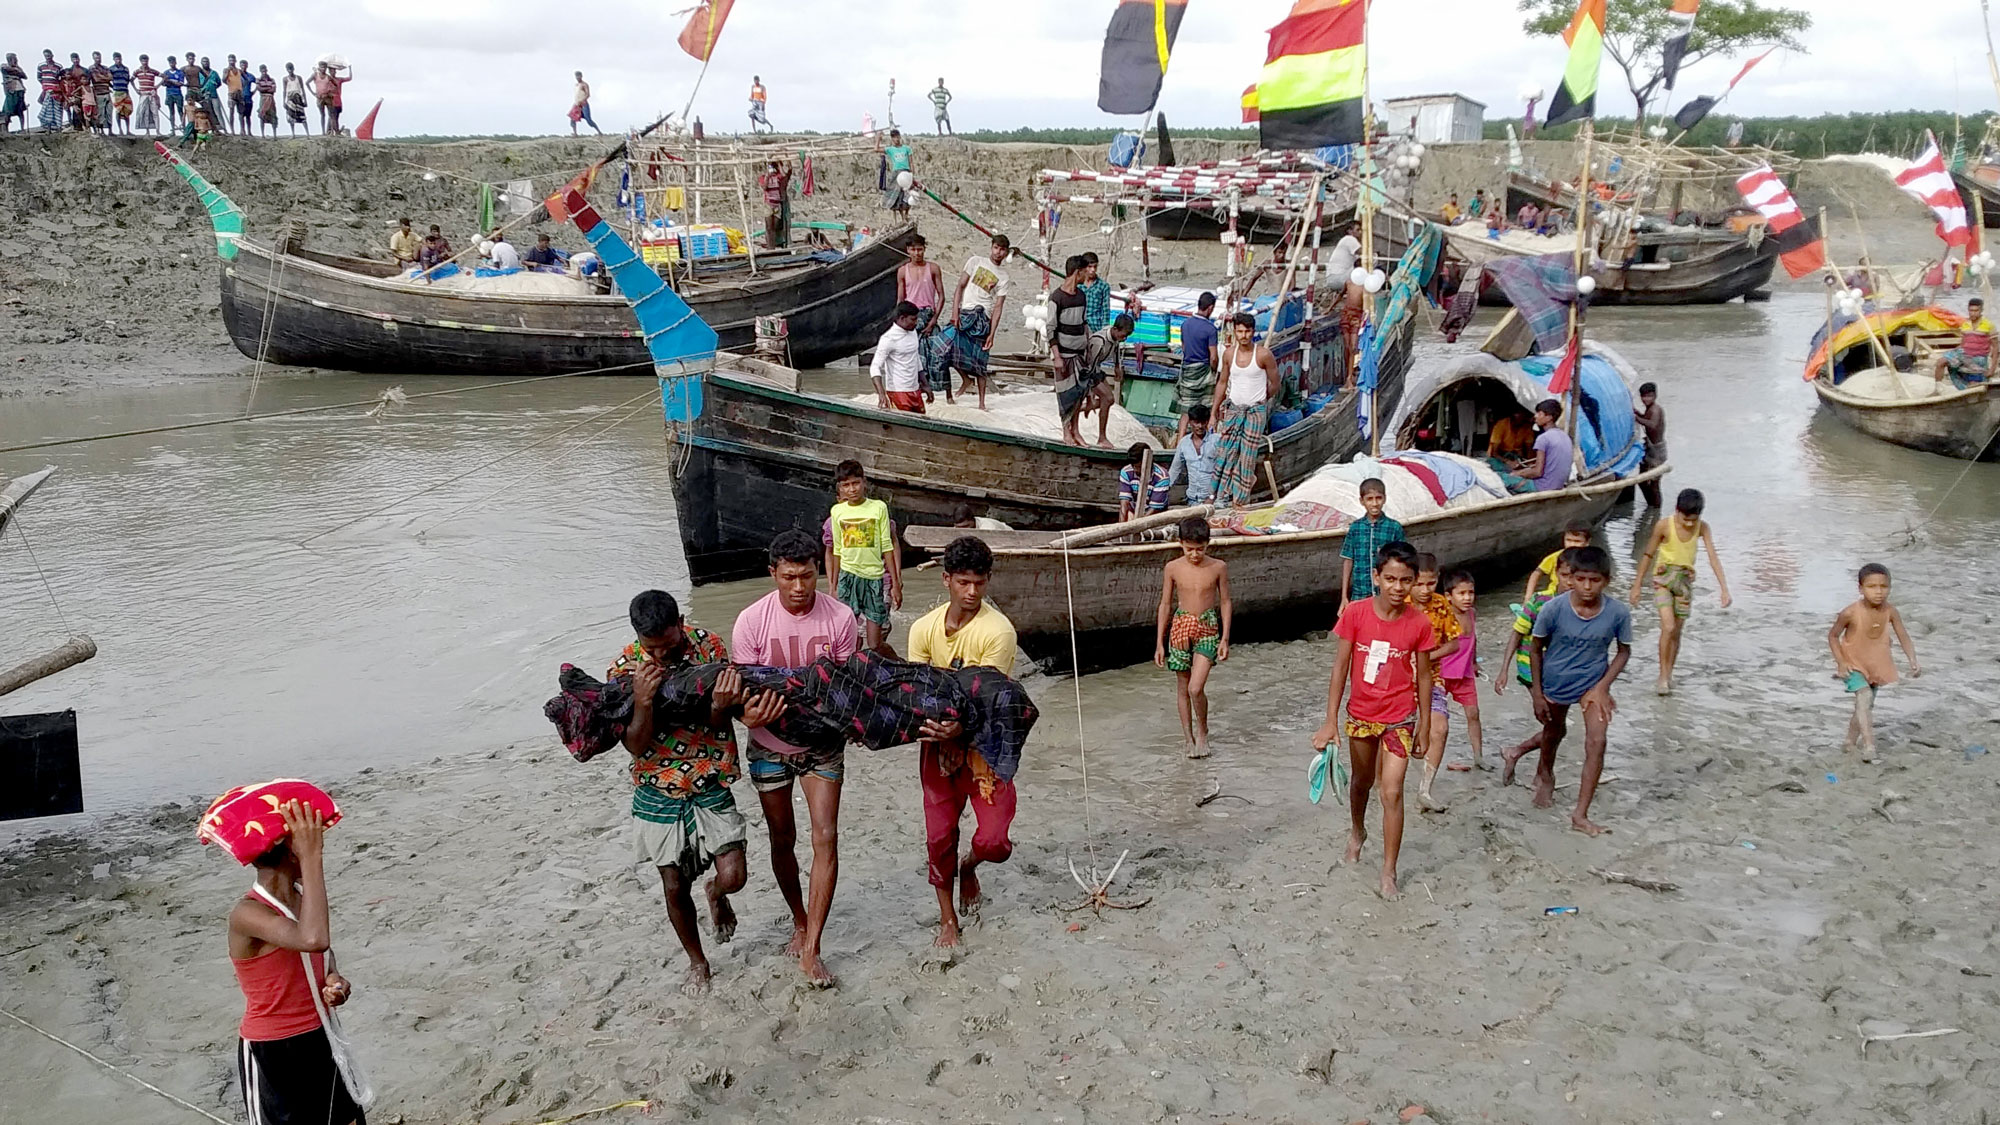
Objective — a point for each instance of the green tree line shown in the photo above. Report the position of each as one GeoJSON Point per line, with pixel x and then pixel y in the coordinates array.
{"type": "Point", "coordinates": [1899, 133]}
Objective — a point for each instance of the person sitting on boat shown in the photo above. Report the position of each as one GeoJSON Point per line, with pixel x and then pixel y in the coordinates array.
{"type": "Point", "coordinates": [543, 256]}
{"type": "Point", "coordinates": [403, 244]}
{"type": "Point", "coordinates": [502, 254]}
{"type": "Point", "coordinates": [895, 370]}
{"type": "Point", "coordinates": [1968, 362]}
{"type": "Point", "coordinates": [1529, 218]}
{"type": "Point", "coordinates": [434, 252]}
{"type": "Point", "coordinates": [1451, 213]}
{"type": "Point", "coordinates": [1477, 208]}
{"type": "Point", "coordinates": [1155, 490]}
{"type": "Point", "coordinates": [1547, 467]}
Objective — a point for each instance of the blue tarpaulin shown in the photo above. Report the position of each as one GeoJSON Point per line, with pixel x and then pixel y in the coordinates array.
{"type": "Point", "coordinates": [1605, 428]}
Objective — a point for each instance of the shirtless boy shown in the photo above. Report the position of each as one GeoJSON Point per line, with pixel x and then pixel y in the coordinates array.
{"type": "Point", "coordinates": [1383, 654]}
{"type": "Point", "coordinates": [1861, 655]}
{"type": "Point", "coordinates": [1193, 633]}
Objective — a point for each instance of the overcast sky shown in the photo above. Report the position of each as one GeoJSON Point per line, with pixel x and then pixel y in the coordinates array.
{"type": "Point", "coordinates": [503, 66]}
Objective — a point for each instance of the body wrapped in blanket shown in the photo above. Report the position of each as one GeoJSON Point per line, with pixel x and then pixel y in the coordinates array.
{"type": "Point", "coordinates": [866, 698]}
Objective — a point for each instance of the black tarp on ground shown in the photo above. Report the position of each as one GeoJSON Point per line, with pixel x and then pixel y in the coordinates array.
{"type": "Point", "coordinates": [39, 771]}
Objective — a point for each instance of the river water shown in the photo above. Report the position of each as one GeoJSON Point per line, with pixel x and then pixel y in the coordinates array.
{"type": "Point", "coordinates": [250, 626]}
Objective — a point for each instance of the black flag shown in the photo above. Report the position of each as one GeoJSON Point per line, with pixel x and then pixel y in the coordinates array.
{"type": "Point", "coordinates": [1692, 113]}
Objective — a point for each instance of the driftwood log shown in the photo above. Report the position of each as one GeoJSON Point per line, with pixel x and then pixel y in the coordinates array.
{"type": "Point", "coordinates": [74, 651]}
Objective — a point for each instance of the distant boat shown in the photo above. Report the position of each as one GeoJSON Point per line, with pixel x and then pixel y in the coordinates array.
{"type": "Point", "coordinates": [1934, 418]}
{"type": "Point", "coordinates": [352, 314]}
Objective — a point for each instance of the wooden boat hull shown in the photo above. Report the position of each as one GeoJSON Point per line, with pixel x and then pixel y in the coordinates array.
{"type": "Point", "coordinates": [322, 315]}
{"type": "Point", "coordinates": [1961, 424]}
{"type": "Point", "coordinates": [760, 459]}
{"type": "Point", "coordinates": [1971, 187]}
{"type": "Point", "coordinates": [1670, 269]}
{"type": "Point", "coordinates": [1280, 585]}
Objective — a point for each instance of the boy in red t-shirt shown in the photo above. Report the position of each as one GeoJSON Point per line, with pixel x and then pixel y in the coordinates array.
{"type": "Point", "coordinates": [1384, 650]}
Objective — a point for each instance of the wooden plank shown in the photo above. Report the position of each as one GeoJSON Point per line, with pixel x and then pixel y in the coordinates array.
{"type": "Point", "coordinates": [19, 489]}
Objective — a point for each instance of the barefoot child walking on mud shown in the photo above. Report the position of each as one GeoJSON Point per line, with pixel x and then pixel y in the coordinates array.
{"type": "Point", "coordinates": [1570, 666]}
{"type": "Point", "coordinates": [684, 816]}
{"type": "Point", "coordinates": [1193, 631]}
{"type": "Point", "coordinates": [1458, 674]}
{"type": "Point", "coordinates": [1449, 639]}
{"type": "Point", "coordinates": [1576, 533]}
{"type": "Point", "coordinates": [1862, 658]}
{"type": "Point", "coordinates": [1382, 663]}
{"type": "Point", "coordinates": [1672, 544]}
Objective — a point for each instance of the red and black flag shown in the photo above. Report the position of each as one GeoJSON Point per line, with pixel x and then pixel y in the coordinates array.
{"type": "Point", "coordinates": [1800, 246]}
{"type": "Point", "coordinates": [1681, 14]}
{"type": "Point", "coordinates": [1310, 92]}
{"type": "Point", "coordinates": [1136, 47]}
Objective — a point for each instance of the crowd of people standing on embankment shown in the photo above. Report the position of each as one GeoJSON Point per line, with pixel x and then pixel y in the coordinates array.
{"type": "Point", "coordinates": [189, 95]}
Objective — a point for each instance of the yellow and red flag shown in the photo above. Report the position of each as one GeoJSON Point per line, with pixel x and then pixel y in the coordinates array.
{"type": "Point", "coordinates": [704, 27]}
{"type": "Point", "coordinates": [1315, 70]}
{"type": "Point", "coordinates": [1250, 103]}
{"type": "Point", "coordinates": [1576, 96]}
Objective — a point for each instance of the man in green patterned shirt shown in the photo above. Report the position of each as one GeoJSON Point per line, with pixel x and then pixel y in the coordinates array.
{"type": "Point", "coordinates": [940, 106]}
{"type": "Point", "coordinates": [684, 816]}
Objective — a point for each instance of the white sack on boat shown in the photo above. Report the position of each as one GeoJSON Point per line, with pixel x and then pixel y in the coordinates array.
{"type": "Point", "coordinates": [1031, 414]}
{"type": "Point", "coordinates": [527, 283]}
{"type": "Point", "coordinates": [1879, 384]}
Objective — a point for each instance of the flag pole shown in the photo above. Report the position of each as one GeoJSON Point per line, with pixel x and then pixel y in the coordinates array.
{"type": "Point", "coordinates": [1582, 218]}
{"type": "Point", "coordinates": [1365, 210]}
{"type": "Point", "coordinates": [1832, 282]}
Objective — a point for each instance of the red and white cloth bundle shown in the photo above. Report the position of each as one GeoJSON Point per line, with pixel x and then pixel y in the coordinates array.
{"type": "Point", "coordinates": [246, 823]}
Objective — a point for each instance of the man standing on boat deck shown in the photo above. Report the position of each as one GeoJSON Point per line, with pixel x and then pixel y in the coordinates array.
{"type": "Point", "coordinates": [777, 185]}
{"type": "Point", "coordinates": [791, 627]}
{"type": "Point", "coordinates": [1066, 344]}
{"type": "Point", "coordinates": [895, 370]}
{"type": "Point", "coordinates": [1196, 383]}
{"type": "Point", "coordinates": [972, 320]}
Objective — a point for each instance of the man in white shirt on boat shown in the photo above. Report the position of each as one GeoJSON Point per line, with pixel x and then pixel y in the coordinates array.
{"type": "Point", "coordinates": [896, 370]}
{"type": "Point", "coordinates": [503, 255]}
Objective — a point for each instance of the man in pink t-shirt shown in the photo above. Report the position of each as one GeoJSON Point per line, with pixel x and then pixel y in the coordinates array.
{"type": "Point", "coordinates": [790, 627]}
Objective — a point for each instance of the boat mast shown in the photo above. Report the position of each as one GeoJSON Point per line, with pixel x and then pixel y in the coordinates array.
{"type": "Point", "coordinates": [1582, 218]}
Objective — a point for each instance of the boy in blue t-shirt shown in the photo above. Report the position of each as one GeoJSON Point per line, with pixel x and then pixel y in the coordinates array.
{"type": "Point", "coordinates": [1571, 663]}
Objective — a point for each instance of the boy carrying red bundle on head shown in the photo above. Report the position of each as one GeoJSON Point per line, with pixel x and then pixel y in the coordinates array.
{"type": "Point", "coordinates": [292, 1060]}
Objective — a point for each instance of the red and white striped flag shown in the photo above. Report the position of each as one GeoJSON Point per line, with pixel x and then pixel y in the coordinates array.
{"type": "Point", "coordinates": [1800, 247]}
{"type": "Point", "coordinates": [1927, 180]}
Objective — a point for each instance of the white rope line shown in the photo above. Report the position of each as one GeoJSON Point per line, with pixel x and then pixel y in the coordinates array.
{"type": "Point", "coordinates": [1076, 682]}
{"type": "Point", "coordinates": [563, 450]}
{"type": "Point", "coordinates": [22, 531]}
{"type": "Point", "coordinates": [181, 1102]}
{"type": "Point", "coordinates": [1974, 460]}
{"type": "Point", "coordinates": [544, 439]}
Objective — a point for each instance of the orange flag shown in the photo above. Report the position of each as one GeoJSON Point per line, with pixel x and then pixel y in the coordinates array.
{"type": "Point", "coordinates": [704, 27]}
{"type": "Point", "coordinates": [366, 130]}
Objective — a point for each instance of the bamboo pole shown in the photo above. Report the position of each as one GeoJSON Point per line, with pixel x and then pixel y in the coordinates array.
{"type": "Point", "coordinates": [1582, 220]}
{"type": "Point", "coordinates": [18, 490]}
{"type": "Point", "coordinates": [74, 651]}
{"type": "Point", "coordinates": [743, 204]}
{"type": "Point", "coordinates": [978, 226]}
{"type": "Point", "coordinates": [1104, 533]}
{"type": "Point", "coordinates": [1144, 491]}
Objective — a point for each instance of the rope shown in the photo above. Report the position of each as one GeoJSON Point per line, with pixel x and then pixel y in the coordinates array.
{"type": "Point", "coordinates": [1076, 682]}
{"type": "Point", "coordinates": [312, 409]}
{"type": "Point", "coordinates": [23, 533]}
{"type": "Point", "coordinates": [475, 469]}
{"type": "Point", "coordinates": [567, 449]}
{"type": "Point", "coordinates": [181, 1102]}
{"type": "Point", "coordinates": [1911, 532]}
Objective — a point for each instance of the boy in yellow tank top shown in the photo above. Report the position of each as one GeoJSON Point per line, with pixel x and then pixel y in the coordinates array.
{"type": "Point", "coordinates": [1669, 559]}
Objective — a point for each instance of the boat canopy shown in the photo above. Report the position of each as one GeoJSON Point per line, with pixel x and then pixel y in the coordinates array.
{"type": "Point", "coordinates": [1849, 332]}
{"type": "Point", "coordinates": [1453, 406]}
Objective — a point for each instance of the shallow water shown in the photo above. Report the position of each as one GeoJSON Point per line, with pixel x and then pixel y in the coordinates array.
{"type": "Point", "coordinates": [245, 632]}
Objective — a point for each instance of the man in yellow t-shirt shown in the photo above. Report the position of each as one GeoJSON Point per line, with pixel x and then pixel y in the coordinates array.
{"type": "Point", "coordinates": [864, 563]}
{"type": "Point", "coordinates": [964, 631]}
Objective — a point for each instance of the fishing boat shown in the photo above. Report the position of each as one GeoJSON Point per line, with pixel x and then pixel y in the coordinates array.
{"type": "Point", "coordinates": [292, 305]}
{"type": "Point", "coordinates": [1873, 373]}
{"type": "Point", "coordinates": [1104, 583]}
{"type": "Point", "coordinates": [1667, 226]}
{"type": "Point", "coordinates": [755, 455]}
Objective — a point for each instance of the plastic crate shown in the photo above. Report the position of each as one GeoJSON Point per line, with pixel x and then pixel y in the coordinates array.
{"type": "Point", "coordinates": [705, 244]}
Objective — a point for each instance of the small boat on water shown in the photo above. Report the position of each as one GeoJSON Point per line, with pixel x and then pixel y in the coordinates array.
{"type": "Point", "coordinates": [1283, 583]}
{"type": "Point", "coordinates": [292, 305]}
{"type": "Point", "coordinates": [1873, 373]}
{"type": "Point", "coordinates": [1666, 225]}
